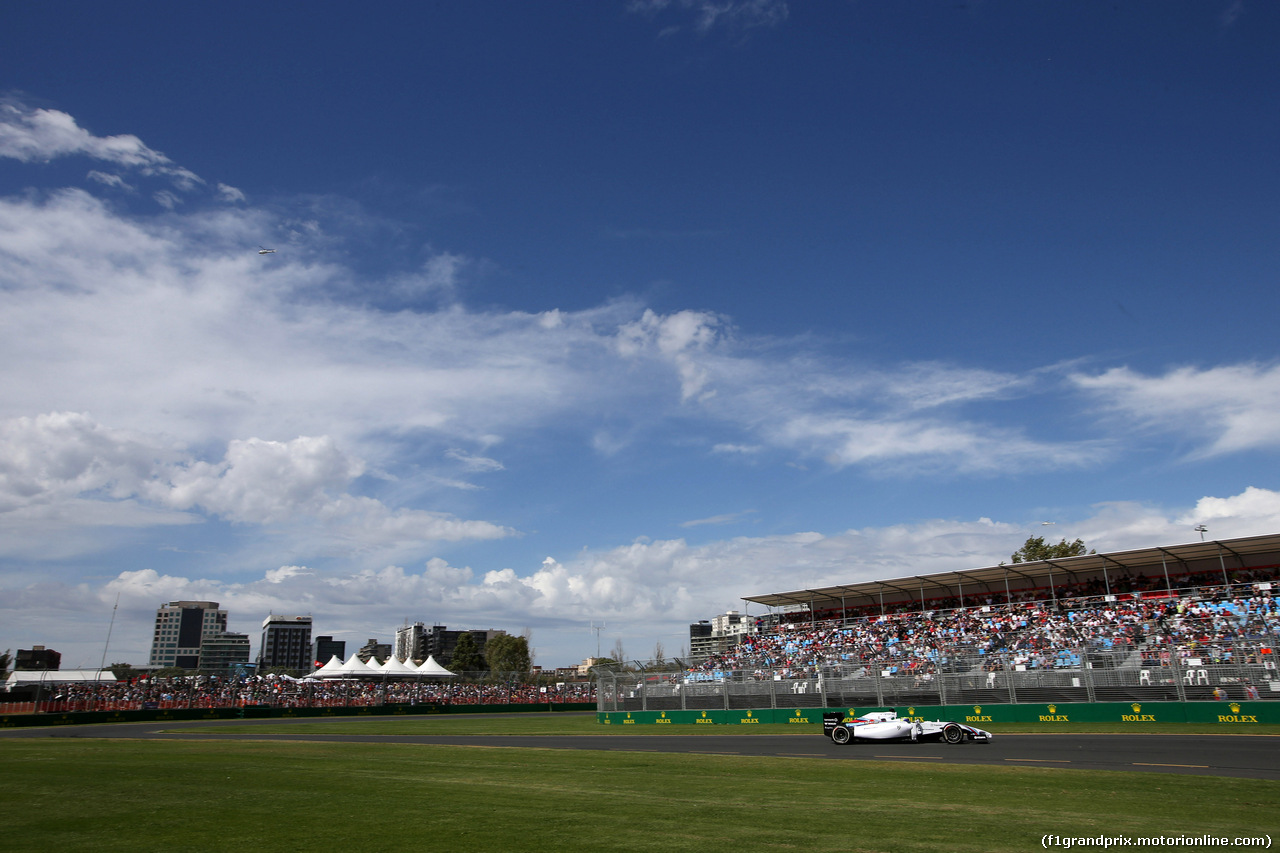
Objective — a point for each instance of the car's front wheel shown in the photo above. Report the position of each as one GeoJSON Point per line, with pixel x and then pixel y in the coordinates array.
{"type": "Point", "coordinates": [952, 733]}
{"type": "Point", "coordinates": [841, 735]}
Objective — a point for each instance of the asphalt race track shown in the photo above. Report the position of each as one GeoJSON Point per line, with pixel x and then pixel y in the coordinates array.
{"type": "Point", "coordinates": [1245, 756]}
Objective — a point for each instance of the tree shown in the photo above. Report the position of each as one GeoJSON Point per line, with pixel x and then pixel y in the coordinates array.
{"type": "Point", "coordinates": [619, 653]}
{"type": "Point", "coordinates": [466, 655]}
{"type": "Point", "coordinates": [124, 671]}
{"type": "Point", "coordinates": [6, 660]}
{"type": "Point", "coordinates": [659, 653]}
{"type": "Point", "coordinates": [508, 654]}
{"type": "Point", "coordinates": [1035, 548]}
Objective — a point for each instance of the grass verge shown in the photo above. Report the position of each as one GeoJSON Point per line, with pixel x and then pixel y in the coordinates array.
{"type": "Point", "coordinates": [82, 794]}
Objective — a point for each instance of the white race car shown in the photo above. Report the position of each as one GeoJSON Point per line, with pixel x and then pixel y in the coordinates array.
{"type": "Point", "coordinates": [885, 725]}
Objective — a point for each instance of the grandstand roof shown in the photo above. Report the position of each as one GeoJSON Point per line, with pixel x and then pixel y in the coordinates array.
{"type": "Point", "coordinates": [1194, 556]}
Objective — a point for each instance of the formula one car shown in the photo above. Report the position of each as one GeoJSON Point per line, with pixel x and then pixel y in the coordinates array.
{"type": "Point", "coordinates": [885, 725]}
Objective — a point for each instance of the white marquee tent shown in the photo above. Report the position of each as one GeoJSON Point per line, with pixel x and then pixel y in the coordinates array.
{"type": "Point", "coordinates": [23, 677]}
{"type": "Point", "coordinates": [394, 668]}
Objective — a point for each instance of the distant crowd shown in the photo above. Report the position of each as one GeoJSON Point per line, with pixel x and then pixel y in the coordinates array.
{"type": "Point", "coordinates": [276, 691]}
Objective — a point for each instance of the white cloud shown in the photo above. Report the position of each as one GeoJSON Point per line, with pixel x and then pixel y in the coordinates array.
{"type": "Point", "coordinates": [724, 518]}
{"type": "Point", "coordinates": [677, 338]}
{"type": "Point", "coordinates": [1258, 508]}
{"type": "Point", "coordinates": [39, 135]}
{"type": "Point", "coordinates": [736, 15]}
{"type": "Point", "coordinates": [65, 468]}
{"type": "Point", "coordinates": [109, 180]}
{"type": "Point", "coordinates": [229, 193]}
{"type": "Point", "coordinates": [472, 462]}
{"type": "Point", "coordinates": [263, 481]}
{"type": "Point", "coordinates": [1230, 408]}
{"type": "Point", "coordinates": [218, 344]}
{"type": "Point", "coordinates": [63, 455]}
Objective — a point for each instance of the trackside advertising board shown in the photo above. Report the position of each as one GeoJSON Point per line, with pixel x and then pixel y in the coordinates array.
{"type": "Point", "coordinates": [1235, 715]}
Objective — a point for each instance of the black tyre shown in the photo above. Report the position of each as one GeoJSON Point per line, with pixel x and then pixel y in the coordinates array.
{"type": "Point", "coordinates": [841, 735]}
{"type": "Point", "coordinates": [952, 733]}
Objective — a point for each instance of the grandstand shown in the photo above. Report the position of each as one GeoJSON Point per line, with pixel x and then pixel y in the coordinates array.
{"type": "Point", "coordinates": [1176, 623]}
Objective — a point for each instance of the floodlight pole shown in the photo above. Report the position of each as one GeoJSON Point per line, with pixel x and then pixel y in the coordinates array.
{"type": "Point", "coordinates": [597, 629]}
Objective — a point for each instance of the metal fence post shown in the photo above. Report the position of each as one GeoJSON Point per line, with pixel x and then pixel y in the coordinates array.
{"type": "Point", "coordinates": [1176, 663]}
{"type": "Point", "coordinates": [1090, 689]}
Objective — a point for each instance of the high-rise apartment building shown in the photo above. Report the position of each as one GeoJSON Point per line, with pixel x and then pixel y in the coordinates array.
{"type": "Point", "coordinates": [286, 643]}
{"type": "Point", "coordinates": [410, 642]}
{"type": "Point", "coordinates": [181, 630]}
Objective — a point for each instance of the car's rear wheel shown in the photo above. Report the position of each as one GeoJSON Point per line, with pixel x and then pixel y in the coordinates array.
{"type": "Point", "coordinates": [952, 733]}
{"type": "Point", "coordinates": [841, 735]}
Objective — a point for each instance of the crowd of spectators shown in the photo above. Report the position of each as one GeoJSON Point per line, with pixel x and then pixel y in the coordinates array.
{"type": "Point", "coordinates": [1036, 630]}
{"type": "Point", "coordinates": [279, 691]}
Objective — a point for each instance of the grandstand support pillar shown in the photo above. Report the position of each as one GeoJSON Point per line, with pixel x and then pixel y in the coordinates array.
{"type": "Point", "coordinates": [1009, 673]}
{"type": "Point", "coordinates": [879, 688]}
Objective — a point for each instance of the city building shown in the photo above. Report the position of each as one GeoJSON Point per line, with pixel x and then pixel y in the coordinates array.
{"type": "Point", "coordinates": [440, 642]}
{"type": "Point", "coordinates": [223, 653]}
{"type": "Point", "coordinates": [375, 650]}
{"type": "Point", "coordinates": [181, 629]}
{"type": "Point", "coordinates": [701, 645]}
{"type": "Point", "coordinates": [325, 648]}
{"type": "Point", "coordinates": [286, 644]}
{"type": "Point", "coordinates": [719, 634]}
{"type": "Point", "coordinates": [37, 658]}
{"type": "Point", "coordinates": [411, 642]}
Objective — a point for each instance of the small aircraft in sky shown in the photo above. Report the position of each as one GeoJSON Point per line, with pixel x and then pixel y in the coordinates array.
{"type": "Point", "coordinates": [265, 251]}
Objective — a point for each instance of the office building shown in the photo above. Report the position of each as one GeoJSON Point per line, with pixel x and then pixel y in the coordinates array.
{"type": "Point", "coordinates": [181, 629]}
{"type": "Point", "coordinates": [220, 654]}
{"type": "Point", "coordinates": [375, 651]}
{"type": "Point", "coordinates": [440, 642]}
{"type": "Point", "coordinates": [325, 648]}
{"type": "Point", "coordinates": [286, 644]}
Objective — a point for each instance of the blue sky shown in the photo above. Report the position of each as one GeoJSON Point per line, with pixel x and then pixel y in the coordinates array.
{"type": "Point", "coordinates": [617, 312]}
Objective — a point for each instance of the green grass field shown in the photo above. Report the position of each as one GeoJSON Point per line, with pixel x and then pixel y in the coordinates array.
{"type": "Point", "coordinates": [72, 793]}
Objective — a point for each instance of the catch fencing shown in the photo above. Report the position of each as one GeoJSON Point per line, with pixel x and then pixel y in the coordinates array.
{"type": "Point", "coordinates": [1244, 672]}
